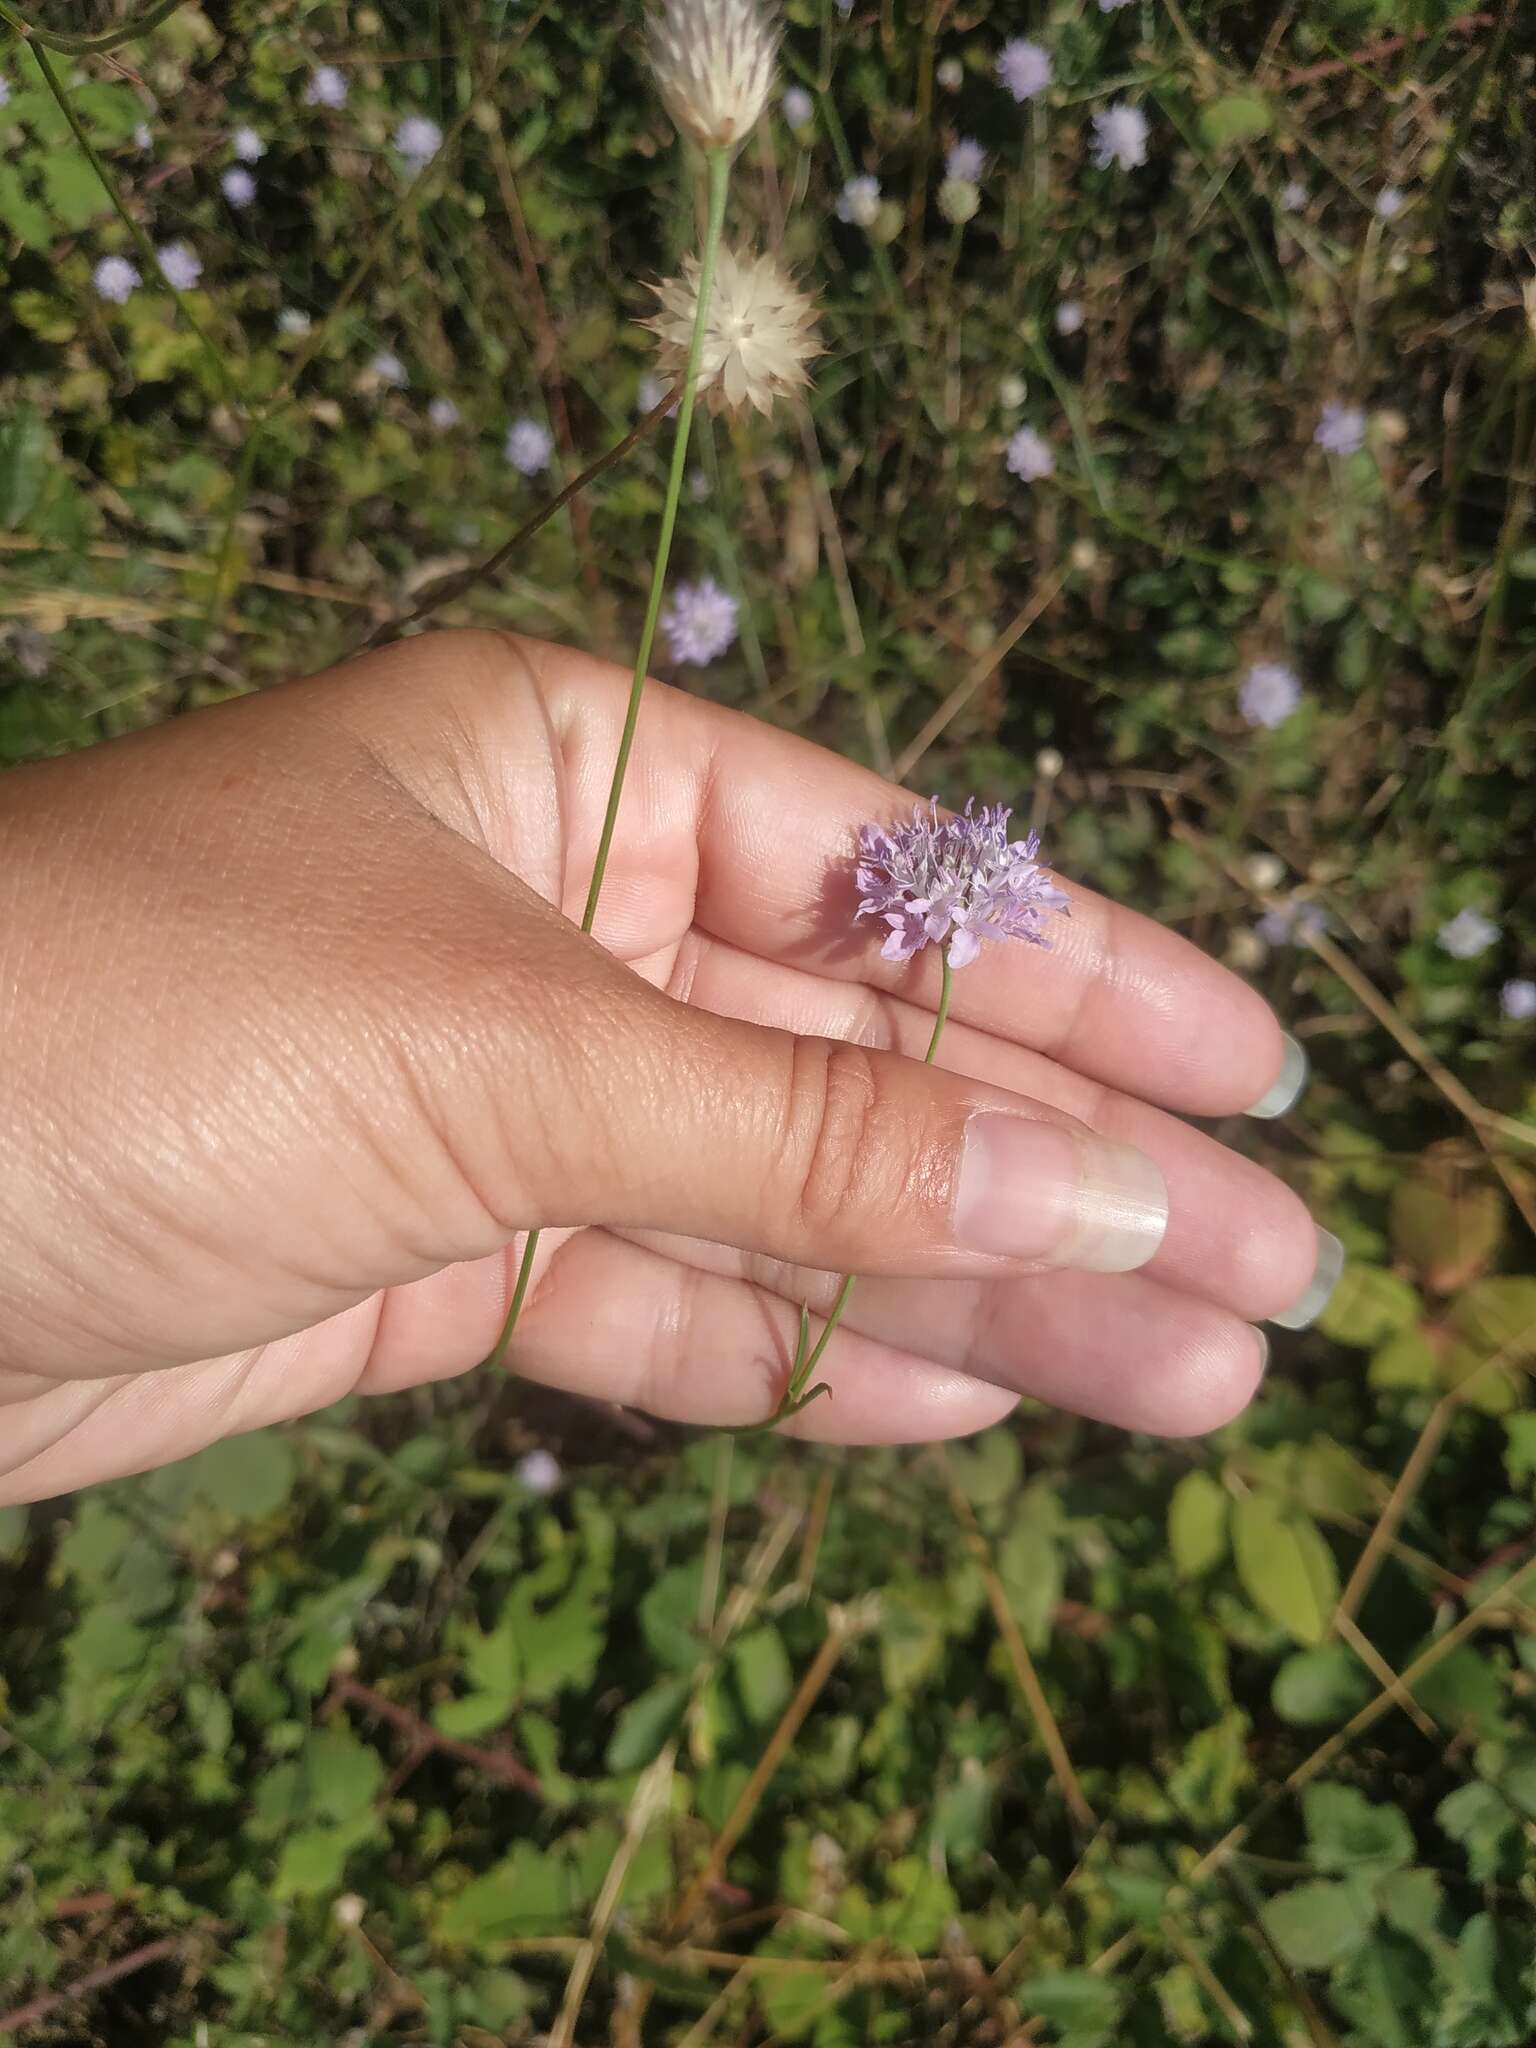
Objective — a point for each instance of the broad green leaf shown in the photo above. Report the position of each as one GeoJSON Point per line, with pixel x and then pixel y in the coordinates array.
{"type": "Point", "coordinates": [475, 1714]}
{"type": "Point", "coordinates": [558, 1645]}
{"type": "Point", "coordinates": [1197, 1523]}
{"type": "Point", "coordinates": [72, 190]}
{"type": "Point", "coordinates": [1348, 1832]}
{"type": "Point", "coordinates": [1369, 1305]}
{"type": "Point", "coordinates": [1236, 118]}
{"type": "Point", "coordinates": [530, 1892]}
{"type": "Point", "coordinates": [763, 1675]}
{"type": "Point", "coordinates": [1317, 1924]}
{"type": "Point", "coordinates": [343, 1776]}
{"type": "Point", "coordinates": [313, 1860]}
{"type": "Point", "coordinates": [1447, 1233]}
{"type": "Point", "coordinates": [1407, 1360]}
{"type": "Point", "coordinates": [13, 1532]}
{"type": "Point", "coordinates": [1467, 1693]}
{"type": "Point", "coordinates": [246, 1477]}
{"type": "Point", "coordinates": [27, 453]}
{"type": "Point", "coordinates": [1322, 1687]}
{"type": "Point", "coordinates": [1411, 1900]}
{"type": "Point", "coordinates": [1484, 1823]}
{"type": "Point", "coordinates": [1213, 1772]}
{"type": "Point", "coordinates": [1493, 1319]}
{"type": "Point", "coordinates": [1286, 1567]}
{"type": "Point", "coordinates": [990, 1469]}
{"type": "Point", "coordinates": [1084, 2006]}
{"type": "Point", "coordinates": [646, 1723]}
{"type": "Point", "coordinates": [20, 212]}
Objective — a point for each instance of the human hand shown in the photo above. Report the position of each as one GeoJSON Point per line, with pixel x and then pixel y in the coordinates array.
{"type": "Point", "coordinates": [300, 1036]}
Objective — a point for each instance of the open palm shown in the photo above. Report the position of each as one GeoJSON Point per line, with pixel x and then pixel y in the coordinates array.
{"type": "Point", "coordinates": [300, 1042]}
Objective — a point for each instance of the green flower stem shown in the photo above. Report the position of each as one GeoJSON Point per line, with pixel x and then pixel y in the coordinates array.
{"type": "Point", "coordinates": [88, 46]}
{"type": "Point", "coordinates": [719, 184]}
{"type": "Point", "coordinates": [796, 1395]}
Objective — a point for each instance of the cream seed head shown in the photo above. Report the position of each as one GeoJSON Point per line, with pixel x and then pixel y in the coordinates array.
{"type": "Point", "coordinates": [759, 335]}
{"type": "Point", "coordinates": [714, 66]}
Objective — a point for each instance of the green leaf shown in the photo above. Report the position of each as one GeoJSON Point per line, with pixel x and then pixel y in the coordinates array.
{"type": "Point", "coordinates": [27, 452]}
{"type": "Point", "coordinates": [1286, 1568]}
{"type": "Point", "coordinates": [19, 212]}
{"type": "Point", "coordinates": [1466, 1693]}
{"type": "Point", "coordinates": [1322, 1687]}
{"type": "Point", "coordinates": [990, 1469]}
{"type": "Point", "coordinates": [1085, 2007]}
{"type": "Point", "coordinates": [72, 190]}
{"type": "Point", "coordinates": [13, 1532]}
{"type": "Point", "coordinates": [530, 1892]}
{"type": "Point", "coordinates": [1483, 1822]}
{"type": "Point", "coordinates": [1407, 1361]}
{"type": "Point", "coordinates": [1493, 1318]}
{"type": "Point", "coordinates": [1348, 1832]}
{"type": "Point", "coordinates": [763, 1675]}
{"type": "Point", "coordinates": [1411, 1900]}
{"type": "Point", "coordinates": [313, 1860]}
{"type": "Point", "coordinates": [1213, 1771]}
{"type": "Point", "coordinates": [1369, 1305]}
{"type": "Point", "coordinates": [1448, 1234]}
{"type": "Point", "coordinates": [246, 1477]}
{"type": "Point", "coordinates": [343, 1776]}
{"type": "Point", "coordinates": [476, 1714]}
{"type": "Point", "coordinates": [646, 1723]}
{"type": "Point", "coordinates": [558, 1645]}
{"type": "Point", "coordinates": [1236, 118]}
{"type": "Point", "coordinates": [1317, 1924]}
{"type": "Point", "coordinates": [1197, 1524]}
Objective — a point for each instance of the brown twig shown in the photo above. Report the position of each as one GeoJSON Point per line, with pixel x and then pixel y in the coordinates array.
{"type": "Point", "coordinates": [1046, 1725]}
{"type": "Point", "coordinates": [94, 1980]}
{"type": "Point", "coordinates": [1385, 46]}
{"type": "Point", "coordinates": [981, 671]}
{"type": "Point", "coordinates": [499, 1764]}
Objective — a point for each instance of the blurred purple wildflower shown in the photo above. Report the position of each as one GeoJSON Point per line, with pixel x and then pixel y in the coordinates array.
{"type": "Point", "coordinates": [29, 651]}
{"type": "Point", "coordinates": [1270, 693]}
{"type": "Point", "coordinates": [700, 621]}
{"type": "Point", "coordinates": [539, 1472]}
{"type": "Point", "coordinates": [1390, 201]}
{"type": "Point", "coordinates": [859, 202]}
{"type": "Point", "coordinates": [1517, 999]}
{"type": "Point", "coordinates": [529, 447]}
{"type": "Point", "coordinates": [443, 414]}
{"type": "Point", "coordinates": [1030, 457]}
{"type": "Point", "coordinates": [238, 186]}
{"type": "Point", "coordinates": [5, 92]}
{"type": "Point", "coordinates": [1120, 136]}
{"type": "Point", "coordinates": [293, 320]}
{"type": "Point", "coordinates": [1069, 317]}
{"type": "Point", "coordinates": [1025, 68]}
{"type": "Point", "coordinates": [248, 145]}
{"type": "Point", "coordinates": [1467, 934]}
{"type": "Point", "coordinates": [1291, 922]}
{"type": "Point", "coordinates": [955, 879]}
{"type": "Point", "coordinates": [114, 278]}
{"type": "Point", "coordinates": [1340, 428]}
{"type": "Point", "coordinates": [418, 140]}
{"type": "Point", "coordinates": [966, 162]}
{"type": "Point", "coordinates": [327, 87]}
{"type": "Point", "coordinates": [798, 107]}
{"type": "Point", "coordinates": [389, 369]}
{"type": "Point", "coordinates": [180, 266]}
{"type": "Point", "coordinates": [142, 139]}
{"type": "Point", "coordinates": [1294, 196]}
{"type": "Point", "coordinates": [1112, 6]}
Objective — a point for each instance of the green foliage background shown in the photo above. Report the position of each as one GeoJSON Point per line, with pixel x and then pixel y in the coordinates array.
{"type": "Point", "coordinates": [342, 1734]}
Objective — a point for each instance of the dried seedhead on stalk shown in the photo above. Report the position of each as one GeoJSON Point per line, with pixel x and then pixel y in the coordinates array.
{"type": "Point", "coordinates": [759, 335]}
{"type": "Point", "coordinates": [714, 66]}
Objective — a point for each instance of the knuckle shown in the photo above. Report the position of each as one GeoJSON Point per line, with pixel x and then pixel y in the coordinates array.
{"type": "Point", "coordinates": [860, 1163]}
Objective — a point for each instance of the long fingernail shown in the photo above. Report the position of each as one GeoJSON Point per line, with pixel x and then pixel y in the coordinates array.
{"type": "Point", "coordinates": [1057, 1196]}
{"type": "Point", "coordinates": [1325, 1277]}
{"type": "Point", "coordinates": [1264, 1347]}
{"type": "Point", "coordinates": [1284, 1092]}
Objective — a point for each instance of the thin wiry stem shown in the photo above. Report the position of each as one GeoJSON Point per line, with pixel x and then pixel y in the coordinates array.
{"type": "Point", "coordinates": [88, 46]}
{"type": "Point", "coordinates": [799, 1394]}
{"type": "Point", "coordinates": [719, 185]}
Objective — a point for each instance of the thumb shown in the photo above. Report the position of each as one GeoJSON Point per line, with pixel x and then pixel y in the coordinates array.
{"type": "Point", "coordinates": [822, 1152]}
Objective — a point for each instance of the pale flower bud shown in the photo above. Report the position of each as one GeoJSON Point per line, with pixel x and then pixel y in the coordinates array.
{"type": "Point", "coordinates": [714, 66]}
{"type": "Point", "coordinates": [958, 201]}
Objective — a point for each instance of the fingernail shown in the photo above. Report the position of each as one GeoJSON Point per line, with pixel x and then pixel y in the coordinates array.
{"type": "Point", "coordinates": [1284, 1092]}
{"type": "Point", "coordinates": [1325, 1277]}
{"type": "Point", "coordinates": [1057, 1196]}
{"type": "Point", "coordinates": [1264, 1348]}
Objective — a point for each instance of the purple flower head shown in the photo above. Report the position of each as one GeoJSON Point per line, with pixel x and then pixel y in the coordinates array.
{"type": "Point", "coordinates": [700, 621]}
{"type": "Point", "coordinates": [418, 140]}
{"type": "Point", "coordinates": [180, 266]}
{"type": "Point", "coordinates": [1270, 693]}
{"type": "Point", "coordinates": [443, 414]}
{"type": "Point", "coordinates": [248, 145]}
{"type": "Point", "coordinates": [966, 162]}
{"type": "Point", "coordinates": [1120, 137]}
{"type": "Point", "coordinates": [859, 202]}
{"type": "Point", "coordinates": [798, 107]}
{"type": "Point", "coordinates": [1341, 428]}
{"type": "Point", "coordinates": [114, 278]}
{"type": "Point", "coordinates": [1025, 68]}
{"type": "Point", "coordinates": [1030, 457]}
{"type": "Point", "coordinates": [539, 1472]}
{"type": "Point", "coordinates": [5, 92]}
{"type": "Point", "coordinates": [1069, 317]}
{"type": "Point", "coordinates": [1291, 922]}
{"type": "Point", "coordinates": [1390, 201]}
{"type": "Point", "coordinates": [529, 447]}
{"type": "Point", "coordinates": [1467, 934]}
{"type": "Point", "coordinates": [238, 186]}
{"type": "Point", "coordinates": [142, 139]}
{"type": "Point", "coordinates": [1294, 196]}
{"type": "Point", "coordinates": [1517, 999]}
{"type": "Point", "coordinates": [954, 879]}
{"type": "Point", "coordinates": [389, 369]}
{"type": "Point", "coordinates": [327, 87]}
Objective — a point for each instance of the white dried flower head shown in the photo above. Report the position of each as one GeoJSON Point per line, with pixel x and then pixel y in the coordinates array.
{"type": "Point", "coordinates": [859, 202]}
{"type": "Point", "coordinates": [950, 73]}
{"type": "Point", "coordinates": [1012, 391]}
{"type": "Point", "coordinates": [759, 336]}
{"type": "Point", "coordinates": [714, 66]}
